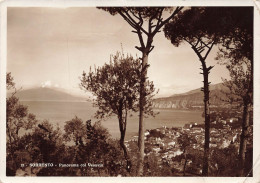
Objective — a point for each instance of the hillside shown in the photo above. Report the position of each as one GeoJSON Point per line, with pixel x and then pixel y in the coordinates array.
{"type": "Point", "coordinates": [192, 99]}
{"type": "Point", "coordinates": [46, 94]}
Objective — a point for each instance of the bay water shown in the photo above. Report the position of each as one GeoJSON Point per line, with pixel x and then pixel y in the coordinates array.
{"type": "Point", "coordinates": [57, 113]}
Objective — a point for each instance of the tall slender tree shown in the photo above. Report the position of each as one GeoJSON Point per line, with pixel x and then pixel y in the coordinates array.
{"type": "Point", "coordinates": [205, 27]}
{"type": "Point", "coordinates": [195, 27]}
{"type": "Point", "coordinates": [236, 52]}
{"type": "Point", "coordinates": [146, 22]}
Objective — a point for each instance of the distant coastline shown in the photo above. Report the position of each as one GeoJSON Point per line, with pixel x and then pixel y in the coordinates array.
{"type": "Point", "coordinates": [54, 100]}
{"type": "Point", "coordinates": [62, 111]}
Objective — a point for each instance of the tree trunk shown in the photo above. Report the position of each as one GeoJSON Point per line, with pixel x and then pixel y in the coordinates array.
{"type": "Point", "coordinates": [185, 163]}
{"type": "Point", "coordinates": [243, 137]}
{"type": "Point", "coordinates": [122, 144]}
{"type": "Point", "coordinates": [141, 114]}
{"type": "Point", "coordinates": [207, 119]}
{"type": "Point", "coordinates": [122, 127]}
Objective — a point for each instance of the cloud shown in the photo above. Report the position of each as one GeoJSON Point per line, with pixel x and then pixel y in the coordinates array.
{"type": "Point", "coordinates": [49, 84]}
{"type": "Point", "coordinates": [46, 84]}
{"type": "Point", "coordinates": [56, 85]}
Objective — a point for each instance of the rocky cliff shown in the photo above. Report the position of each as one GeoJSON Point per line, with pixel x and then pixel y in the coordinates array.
{"type": "Point", "coordinates": [192, 99]}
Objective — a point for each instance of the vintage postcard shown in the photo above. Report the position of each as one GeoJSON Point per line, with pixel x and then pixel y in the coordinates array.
{"type": "Point", "coordinates": [130, 91]}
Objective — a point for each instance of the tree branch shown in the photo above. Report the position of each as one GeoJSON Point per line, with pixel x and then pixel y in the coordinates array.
{"type": "Point", "coordinates": [166, 20]}
{"type": "Point", "coordinates": [132, 24]}
{"type": "Point", "coordinates": [209, 50]}
{"type": "Point", "coordinates": [152, 47]}
{"type": "Point", "coordinates": [160, 17]}
{"type": "Point", "coordinates": [198, 53]}
{"type": "Point", "coordinates": [139, 48]}
{"type": "Point", "coordinates": [139, 33]}
{"type": "Point", "coordinates": [132, 20]}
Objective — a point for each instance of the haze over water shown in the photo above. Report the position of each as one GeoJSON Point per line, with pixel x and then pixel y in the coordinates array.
{"type": "Point", "coordinates": [60, 112]}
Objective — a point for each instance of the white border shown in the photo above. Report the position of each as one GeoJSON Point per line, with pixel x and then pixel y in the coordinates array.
{"type": "Point", "coordinates": [93, 3]}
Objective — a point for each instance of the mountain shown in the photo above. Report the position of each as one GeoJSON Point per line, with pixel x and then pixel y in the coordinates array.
{"type": "Point", "coordinates": [46, 94]}
{"type": "Point", "coordinates": [192, 99]}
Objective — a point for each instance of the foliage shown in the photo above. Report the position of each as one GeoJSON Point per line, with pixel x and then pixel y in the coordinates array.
{"type": "Point", "coordinates": [224, 162]}
{"type": "Point", "coordinates": [74, 130]}
{"type": "Point", "coordinates": [154, 166]}
{"type": "Point", "coordinates": [185, 141]}
{"type": "Point", "coordinates": [237, 35]}
{"type": "Point", "coordinates": [202, 27]}
{"type": "Point", "coordinates": [116, 87]}
{"type": "Point", "coordinates": [196, 156]}
{"type": "Point", "coordinates": [100, 149]}
{"type": "Point", "coordinates": [239, 82]}
{"type": "Point", "coordinates": [236, 52]}
{"type": "Point", "coordinates": [45, 144]}
{"type": "Point", "coordinates": [17, 115]}
{"type": "Point", "coordinates": [146, 22]}
{"type": "Point", "coordinates": [155, 133]}
{"type": "Point", "coordinates": [194, 26]}
{"type": "Point", "coordinates": [9, 81]}
{"type": "Point", "coordinates": [136, 16]}
{"type": "Point", "coordinates": [17, 120]}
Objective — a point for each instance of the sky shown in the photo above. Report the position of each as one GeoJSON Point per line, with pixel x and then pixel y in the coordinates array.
{"type": "Point", "coordinates": [51, 47]}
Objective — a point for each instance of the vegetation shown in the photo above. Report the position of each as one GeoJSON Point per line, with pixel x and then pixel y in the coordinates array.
{"type": "Point", "coordinates": [195, 27]}
{"type": "Point", "coordinates": [138, 18]}
{"type": "Point", "coordinates": [203, 28]}
{"type": "Point", "coordinates": [116, 88]}
{"type": "Point", "coordinates": [121, 87]}
{"type": "Point", "coordinates": [185, 141]}
{"type": "Point", "coordinates": [17, 119]}
{"type": "Point", "coordinates": [236, 52]}
{"type": "Point", "coordinates": [30, 141]}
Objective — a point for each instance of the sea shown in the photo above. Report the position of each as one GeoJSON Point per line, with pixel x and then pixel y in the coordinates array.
{"type": "Point", "coordinates": [58, 112]}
